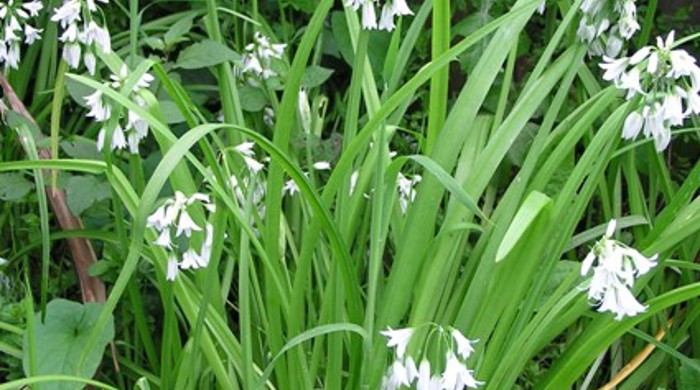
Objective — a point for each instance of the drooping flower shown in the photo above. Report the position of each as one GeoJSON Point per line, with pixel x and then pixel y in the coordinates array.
{"type": "Point", "coordinates": [322, 166]}
{"type": "Point", "coordinates": [606, 25]}
{"type": "Point", "coordinates": [172, 268]}
{"type": "Point", "coordinates": [135, 128]}
{"type": "Point", "coordinates": [403, 371]}
{"type": "Point", "coordinates": [258, 58]}
{"type": "Point", "coordinates": [398, 338]}
{"type": "Point", "coordinates": [464, 345]}
{"type": "Point", "coordinates": [15, 28]}
{"type": "Point", "coordinates": [407, 192]}
{"type": "Point", "coordinates": [616, 268]}
{"type": "Point", "coordinates": [457, 376]}
{"type": "Point", "coordinates": [390, 9]}
{"type": "Point", "coordinates": [174, 213]}
{"type": "Point", "coordinates": [88, 35]}
{"type": "Point", "coordinates": [666, 80]}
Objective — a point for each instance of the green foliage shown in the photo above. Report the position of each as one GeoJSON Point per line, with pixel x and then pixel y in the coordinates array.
{"type": "Point", "coordinates": [60, 338]}
{"type": "Point", "coordinates": [475, 158]}
{"type": "Point", "coordinates": [205, 54]}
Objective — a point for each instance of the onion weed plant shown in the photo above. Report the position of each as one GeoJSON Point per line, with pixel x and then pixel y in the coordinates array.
{"type": "Point", "coordinates": [369, 194]}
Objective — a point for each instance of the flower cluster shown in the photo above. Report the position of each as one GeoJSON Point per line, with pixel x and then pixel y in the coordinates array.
{"type": "Point", "coordinates": [390, 9]}
{"type": "Point", "coordinates": [404, 372]}
{"type": "Point", "coordinates": [407, 192]}
{"type": "Point", "coordinates": [596, 28]}
{"type": "Point", "coordinates": [258, 57]}
{"type": "Point", "coordinates": [135, 129]}
{"type": "Point", "coordinates": [173, 214]}
{"type": "Point", "coordinates": [668, 82]}
{"type": "Point", "coordinates": [614, 275]}
{"type": "Point", "coordinates": [15, 16]}
{"type": "Point", "coordinates": [89, 35]}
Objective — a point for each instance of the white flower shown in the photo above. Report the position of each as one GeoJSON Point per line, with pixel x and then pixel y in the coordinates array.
{"type": "Point", "coordinates": [631, 82]}
{"type": "Point", "coordinates": [424, 376]}
{"type": "Point", "coordinates": [98, 35]}
{"type": "Point", "coordinates": [172, 270]}
{"type": "Point", "coordinates": [396, 377]}
{"type": "Point", "coordinates": [322, 166]}
{"type": "Point", "coordinates": [205, 254]}
{"type": "Point", "coordinates": [400, 8]}
{"type": "Point", "coordinates": [186, 224]}
{"type": "Point", "coordinates": [246, 149]}
{"type": "Point", "coordinates": [673, 109]}
{"type": "Point", "coordinates": [614, 68]}
{"type": "Point", "coordinates": [31, 34]}
{"type": "Point", "coordinates": [456, 375]}
{"type": "Point", "coordinates": [190, 259]}
{"type": "Point", "coordinates": [693, 100]}
{"type": "Point", "coordinates": [369, 16]}
{"type": "Point", "coordinates": [398, 338]}
{"type": "Point", "coordinates": [411, 369]}
{"type": "Point", "coordinates": [464, 345]}
{"type": "Point", "coordinates": [164, 239]}
{"type": "Point", "coordinates": [33, 7]}
{"type": "Point", "coordinates": [290, 187]}
{"type": "Point", "coordinates": [68, 13]}
{"type": "Point", "coordinates": [633, 125]}
{"type": "Point", "coordinates": [98, 109]}
{"type": "Point", "coordinates": [71, 54]}
{"type": "Point", "coordinates": [118, 139]}
{"type": "Point", "coordinates": [386, 20]}
{"type": "Point", "coordinates": [259, 55]}
{"type": "Point", "coordinates": [90, 62]}
{"type": "Point", "coordinates": [614, 275]}
{"type": "Point", "coordinates": [353, 181]}
{"type": "Point", "coordinates": [253, 165]}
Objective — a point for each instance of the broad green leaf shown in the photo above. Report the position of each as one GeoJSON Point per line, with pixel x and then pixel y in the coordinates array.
{"type": "Point", "coordinates": [60, 339]}
{"type": "Point", "coordinates": [84, 191]}
{"type": "Point", "coordinates": [14, 186]}
{"type": "Point", "coordinates": [177, 31]}
{"type": "Point", "coordinates": [531, 208]}
{"type": "Point", "coordinates": [171, 112]}
{"type": "Point", "coordinates": [252, 99]}
{"type": "Point", "coordinates": [205, 54]}
{"type": "Point", "coordinates": [314, 76]}
{"type": "Point", "coordinates": [689, 377]}
{"type": "Point", "coordinates": [81, 148]}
